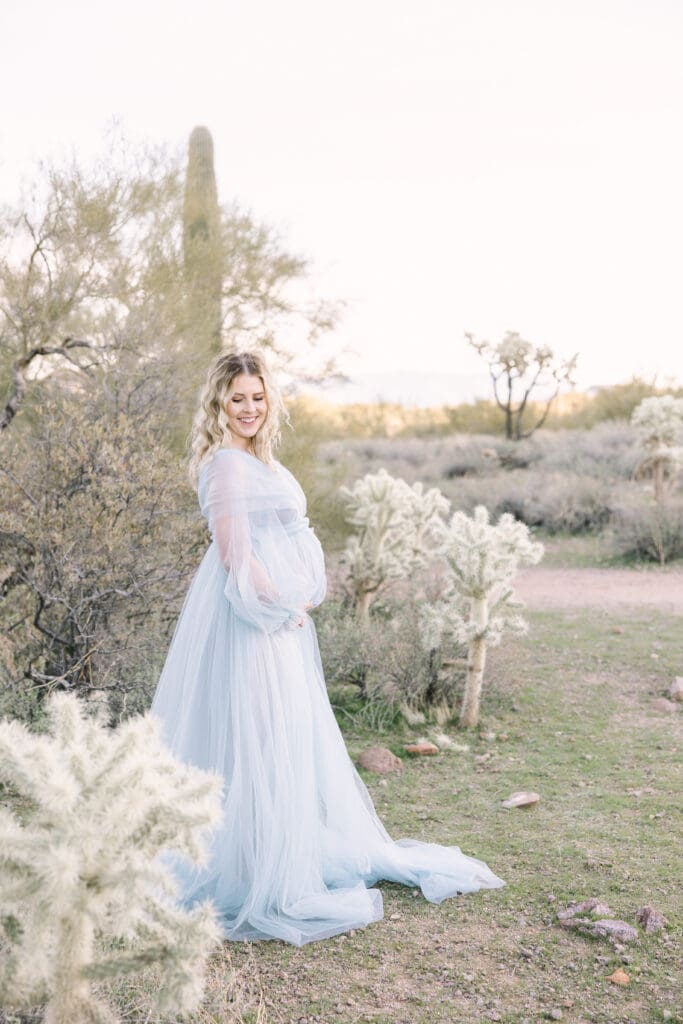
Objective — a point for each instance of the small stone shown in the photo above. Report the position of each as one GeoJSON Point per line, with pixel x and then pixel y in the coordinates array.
{"type": "Point", "coordinates": [591, 906]}
{"type": "Point", "coordinates": [619, 977]}
{"type": "Point", "coordinates": [522, 798]}
{"type": "Point", "coordinates": [617, 931]}
{"type": "Point", "coordinates": [650, 919]}
{"type": "Point", "coordinates": [556, 1013]}
{"type": "Point", "coordinates": [676, 690]}
{"type": "Point", "coordinates": [421, 749]}
{"type": "Point", "coordinates": [664, 704]}
{"type": "Point", "coordinates": [380, 760]}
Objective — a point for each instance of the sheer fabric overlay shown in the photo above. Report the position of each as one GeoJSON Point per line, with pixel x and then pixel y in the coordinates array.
{"type": "Point", "coordinates": [242, 692]}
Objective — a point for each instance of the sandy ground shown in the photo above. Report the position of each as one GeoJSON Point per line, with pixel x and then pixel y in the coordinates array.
{"type": "Point", "coordinates": [543, 588]}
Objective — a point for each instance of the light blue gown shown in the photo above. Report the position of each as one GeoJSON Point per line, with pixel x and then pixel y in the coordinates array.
{"type": "Point", "coordinates": [242, 692]}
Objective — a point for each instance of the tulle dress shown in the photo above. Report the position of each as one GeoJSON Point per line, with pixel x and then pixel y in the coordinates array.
{"type": "Point", "coordinates": [242, 692]}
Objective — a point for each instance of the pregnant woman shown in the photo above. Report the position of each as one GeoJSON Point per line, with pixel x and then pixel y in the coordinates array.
{"type": "Point", "coordinates": [242, 692]}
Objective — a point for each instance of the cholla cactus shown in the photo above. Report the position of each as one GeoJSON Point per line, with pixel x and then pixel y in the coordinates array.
{"type": "Point", "coordinates": [81, 863]}
{"type": "Point", "coordinates": [517, 368]}
{"type": "Point", "coordinates": [479, 607]}
{"type": "Point", "coordinates": [659, 421]}
{"type": "Point", "coordinates": [398, 529]}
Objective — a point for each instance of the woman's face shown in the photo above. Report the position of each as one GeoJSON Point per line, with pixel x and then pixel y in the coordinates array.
{"type": "Point", "coordinates": [246, 406]}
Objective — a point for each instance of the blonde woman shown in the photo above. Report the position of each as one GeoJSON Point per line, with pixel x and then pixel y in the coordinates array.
{"type": "Point", "coordinates": [242, 692]}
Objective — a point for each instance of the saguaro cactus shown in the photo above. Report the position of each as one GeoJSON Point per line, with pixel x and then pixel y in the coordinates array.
{"type": "Point", "coordinates": [81, 863]}
{"type": "Point", "coordinates": [659, 422]}
{"type": "Point", "coordinates": [202, 244]}
{"type": "Point", "coordinates": [397, 531]}
{"type": "Point", "coordinates": [479, 608]}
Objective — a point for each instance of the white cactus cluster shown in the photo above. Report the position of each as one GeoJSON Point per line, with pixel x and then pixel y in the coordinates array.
{"type": "Point", "coordinates": [401, 528]}
{"type": "Point", "coordinates": [478, 606]}
{"type": "Point", "coordinates": [659, 422]}
{"type": "Point", "coordinates": [397, 526]}
{"type": "Point", "coordinates": [80, 863]}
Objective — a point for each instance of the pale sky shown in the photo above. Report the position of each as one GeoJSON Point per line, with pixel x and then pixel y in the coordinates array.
{"type": "Point", "coordinates": [448, 165]}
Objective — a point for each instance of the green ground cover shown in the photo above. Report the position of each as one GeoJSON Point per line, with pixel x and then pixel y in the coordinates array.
{"type": "Point", "coordinates": [571, 706]}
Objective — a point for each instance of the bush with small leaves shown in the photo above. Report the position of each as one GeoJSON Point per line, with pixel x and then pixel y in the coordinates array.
{"type": "Point", "coordinates": [649, 533]}
{"type": "Point", "coordinates": [385, 659]}
{"type": "Point", "coordinates": [82, 863]}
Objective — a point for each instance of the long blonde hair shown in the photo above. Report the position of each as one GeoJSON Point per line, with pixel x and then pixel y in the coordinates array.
{"type": "Point", "coordinates": [210, 429]}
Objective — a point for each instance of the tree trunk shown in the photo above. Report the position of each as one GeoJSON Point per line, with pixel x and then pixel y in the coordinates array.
{"type": "Point", "coordinates": [72, 1000]}
{"type": "Point", "coordinates": [509, 432]}
{"type": "Point", "coordinates": [364, 599]}
{"type": "Point", "coordinates": [476, 659]}
{"type": "Point", "coordinates": [659, 479]}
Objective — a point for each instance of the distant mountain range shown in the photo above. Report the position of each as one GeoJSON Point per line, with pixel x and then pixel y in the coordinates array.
{"type": "Point", "coordinates": [403, 388]}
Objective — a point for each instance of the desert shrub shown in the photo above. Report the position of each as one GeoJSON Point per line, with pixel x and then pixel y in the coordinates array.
{"type": "Point", "coordinates": [649, 533]}
{"type": "Point", "coordinates": [615, 402]}
{"type": "Point", "coordinates": [609, 451]}
{"type": "Point", "coordinates": [555, 503]}
{"type": "Point", "coordinates": [99, 532]}
{"type": "Point", "coordinates": [385, 659]}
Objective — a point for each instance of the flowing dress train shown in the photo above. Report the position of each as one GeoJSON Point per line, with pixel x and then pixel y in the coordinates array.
{"type": "Point", "coordinates": [242, 692]}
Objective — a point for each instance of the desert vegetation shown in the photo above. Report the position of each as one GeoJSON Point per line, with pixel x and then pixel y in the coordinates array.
{"type": "Point", "coordinates": [116, 283]}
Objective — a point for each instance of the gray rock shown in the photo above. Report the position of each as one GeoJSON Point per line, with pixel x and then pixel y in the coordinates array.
{"type": "Point", "coordinates": [650, 919]}
{"type": "Point", "coordinates": [592, 906]}
{"type": "Point", "coordinates": [617, 931]}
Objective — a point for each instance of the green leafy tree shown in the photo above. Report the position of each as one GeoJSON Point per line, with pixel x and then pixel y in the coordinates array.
{"type": "Point", "coordinates": [98, 266]}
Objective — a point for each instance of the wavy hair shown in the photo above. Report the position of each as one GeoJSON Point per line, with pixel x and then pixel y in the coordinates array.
{"type": "Point", "coordinates": [210, 429]}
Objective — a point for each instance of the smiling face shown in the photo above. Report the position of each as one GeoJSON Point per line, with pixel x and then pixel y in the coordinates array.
{"type": "Point", "coordinates": [246, 409]}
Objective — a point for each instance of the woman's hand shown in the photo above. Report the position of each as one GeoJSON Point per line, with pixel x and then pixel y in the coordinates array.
{"type": "Point", "coordinates": [300, 622]}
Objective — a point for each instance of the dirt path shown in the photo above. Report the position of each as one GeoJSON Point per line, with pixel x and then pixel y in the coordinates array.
{"type": "Point", "coordinates": [604, 588]}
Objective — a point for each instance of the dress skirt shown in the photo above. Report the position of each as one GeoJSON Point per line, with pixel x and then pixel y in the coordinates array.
{"type": "Point", "coordinates": [300, 845]}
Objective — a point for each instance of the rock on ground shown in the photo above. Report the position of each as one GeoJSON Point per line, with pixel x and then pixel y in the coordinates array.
{"type": "Point", "coordinates": [676, 689]}
{"type": "Point", "coordinates": [380, 760]}
{"type": "Point", "coordinates": [650, 919]}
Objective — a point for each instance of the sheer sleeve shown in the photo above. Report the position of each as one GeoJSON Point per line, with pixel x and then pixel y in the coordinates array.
{"type": "Point", "coordinates": [267, 582]}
